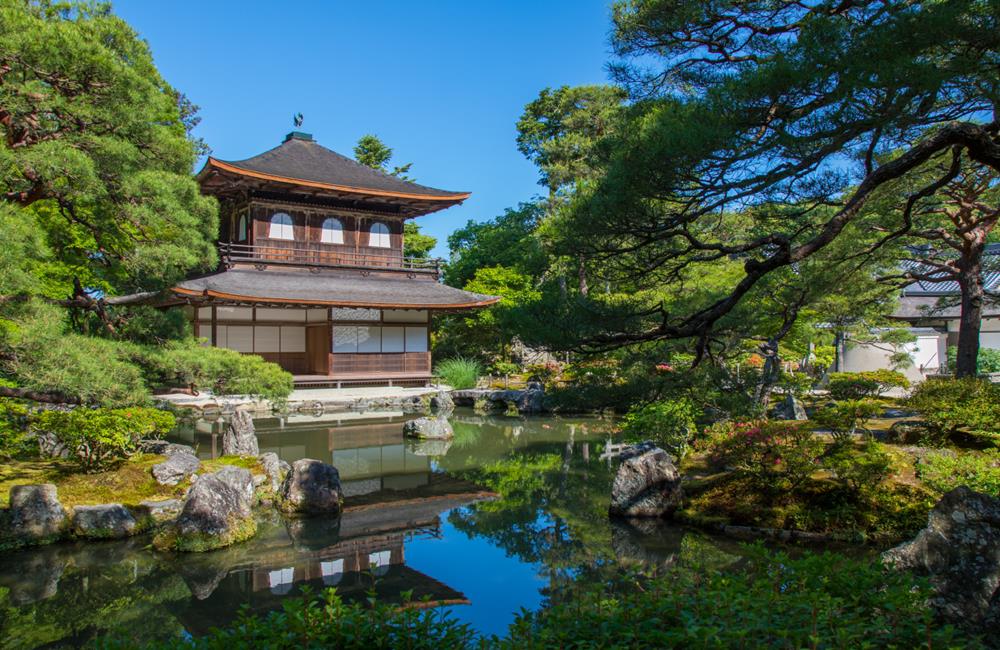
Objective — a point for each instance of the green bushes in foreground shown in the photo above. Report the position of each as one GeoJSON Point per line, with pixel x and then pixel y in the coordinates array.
{"type": "Point", "coordinates": [99, 438]}
{"type": "Point", "coordinates": [952, 406]}
{"type": "Point", "coordinates": [459, 372]}
{"type": "Point", "coordinates": [769, 600]}
{"type": "Point", "coordinates": [945, 470]}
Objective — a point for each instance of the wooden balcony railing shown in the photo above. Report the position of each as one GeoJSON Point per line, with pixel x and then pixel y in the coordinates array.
{"type": "Point", "coordinates": [315, 254]}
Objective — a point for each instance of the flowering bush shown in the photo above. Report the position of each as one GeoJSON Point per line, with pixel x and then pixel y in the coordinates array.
{"type": "Point", "coordinates": [664, 368]}
{"type": "Point", "coordinates": [772, 455]}
{"type": "Point", "coordinates": [669, 423]}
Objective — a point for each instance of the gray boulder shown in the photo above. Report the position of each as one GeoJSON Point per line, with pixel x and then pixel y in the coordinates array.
{"type": "Point", "coordinates": [647, 484]}
{"type": "Point", "coordinates": [239, 438]}
{"type": "Point", "coordinates": [164, 448]}
{"type": "Point", "coordinates": [311, 487]}
{"type": "Point", "coordinates": [275, 468]}
{"type": "Point", "coordinates": [217, 512]}
{"type": "Point", "coordinates": [443, 402]}
{"type": "Point", "coordinates": [960, 551]}
{"type": "Point", "coordinates": [105, 521]}
{"type": "Point", "coordinates": [36, 516]}
{"type": "Point", "coordinates": [177, 467]}
{"type": "Point", "coordinates": [908, 432]}
{"type": "Point", "coordinates": [162, 511]}
{"type": "Point", "coordinates": [790, 408]}
{"type": "Point", "coordinates": [429, 429]}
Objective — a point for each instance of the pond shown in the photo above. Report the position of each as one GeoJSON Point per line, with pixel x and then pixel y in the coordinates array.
{"type": "Point", "coordinates": [505, 516]}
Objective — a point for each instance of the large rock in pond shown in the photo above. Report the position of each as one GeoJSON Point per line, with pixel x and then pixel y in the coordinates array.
{"type": "Point", "coordinates": [217, 512]}
{"type": "Point", "coordinates": [311, 487]}
{"type": "Point", "coordinates": [105, 521]}
{"type": "Point", "coordinates": [178, 466]}
{"type": "Point", "coordinates": [239, 438]}
{"type": "Point", "coordinates": [429, 447]}
{"type": "Point", "coordinates": [429, 429]}
{"type": "Point", "coordinates": [443, 402]}
{"type": "Point", "coordinates": [960, 551]}
{"type": "Point", "coordinates": [647, 484]}
{"type": "Point", "coordinates": [274, 468]}
{"type": "Point", "coordinates": [35, 516]}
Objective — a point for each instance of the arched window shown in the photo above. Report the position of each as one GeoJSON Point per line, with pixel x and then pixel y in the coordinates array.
{"type": "Point", "coordinates": [332, 232]}
{"type": "Point", "coordinates": [241, 228]}
{"type": "Point", "coordinates": [378, 236]}
{"type": "Point", "coordinates": [281, 227]}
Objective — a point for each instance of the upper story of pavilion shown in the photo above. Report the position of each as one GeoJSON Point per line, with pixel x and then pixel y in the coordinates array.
{"type": "Point", "coordinates": [303, 205]}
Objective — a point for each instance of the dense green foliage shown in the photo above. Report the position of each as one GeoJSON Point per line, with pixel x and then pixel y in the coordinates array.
{"type": "Point", "coordinates": [98, 206]}
{"type": "Point", "coordinates": [14, 440]}
{"type": "Point", "coordinates": [669, 423]}
{"type": "Point", "coordinates": [989, 359]}
{"type": "Point", "coordinates": [950, 406]}
{"type": "Point", "coordinates": [772, 601]}
{"type": "Point", "coordinates": [861, 385]}
{"type": "Point", "coordinates": [459, 372]}
{"type": "Point", "coordinates": [98, 438]}
{"type": "Point", "coordinates": [945, 470]}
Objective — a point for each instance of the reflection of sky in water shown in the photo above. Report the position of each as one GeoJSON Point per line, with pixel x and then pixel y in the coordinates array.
{"type": "Point", "coordinates": [498, 584]}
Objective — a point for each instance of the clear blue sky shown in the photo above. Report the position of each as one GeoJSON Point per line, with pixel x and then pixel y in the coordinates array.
{"type": "Point", "coordinates": [442, 83]}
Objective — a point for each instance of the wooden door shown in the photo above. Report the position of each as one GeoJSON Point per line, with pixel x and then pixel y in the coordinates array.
{"type": "Point", "coordinates": [318, 349]}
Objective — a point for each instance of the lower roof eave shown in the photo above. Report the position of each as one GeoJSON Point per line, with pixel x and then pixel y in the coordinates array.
{"type": "Point", "coordinates": [220, 297]}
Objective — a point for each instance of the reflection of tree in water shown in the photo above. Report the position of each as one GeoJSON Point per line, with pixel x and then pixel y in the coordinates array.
{"type": "Point", "coordinates": [69, 595]}
{"type": "Point", "coordinates": [553, 512]}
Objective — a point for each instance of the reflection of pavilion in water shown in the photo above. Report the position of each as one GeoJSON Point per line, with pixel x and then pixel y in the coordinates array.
{"type": "Point", "coordinates": [367, 449]}
{"type": "Point", "coordinates": [360, 551]}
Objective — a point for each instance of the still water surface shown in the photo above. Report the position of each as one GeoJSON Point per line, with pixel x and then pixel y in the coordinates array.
{"type": "Point", "coordinates": [499, 519]}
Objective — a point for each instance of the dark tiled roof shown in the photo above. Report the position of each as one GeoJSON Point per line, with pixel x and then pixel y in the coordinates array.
{"type": "Point", "coordinates": [300, 158]}
{"type": "Point", "coordinates": [330, 288]}
{"type": "Point", "coordinates": [991, 278]}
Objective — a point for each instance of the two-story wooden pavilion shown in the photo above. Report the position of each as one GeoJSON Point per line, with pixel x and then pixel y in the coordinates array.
{"type": "Point", "coordinates": [312, 272]}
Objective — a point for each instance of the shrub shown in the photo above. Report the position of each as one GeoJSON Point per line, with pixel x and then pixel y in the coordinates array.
{"type": "Point", "coordinates": [224, 372]}
{"type": "Point", "coordinates": [796, 383]}
{"type": "Point", "coordinates": [459, 372]}
{"type": "Point", "coordinates": [859, 385]}
{"type": "Point", "coordinates": [543, 372]}
{"type": "Point", "coordinates": [772, 455]}
{"type": "Point", "coordinates": [771, 600]}
{"type": "Point", "coordinates": [953, 405]}
{"type": "Point", "coordinates": [101, 437]}
{"type": "Point", "coordinates": [946, 470]}
{"type": "Point", "coordinates": [670, 424]}
{"type": "Point", "coordinates": [503, 368]}
{"type": "Point", "coordinates": [860, 470]}
{"type": "Point", "coordinates": [846, 418]}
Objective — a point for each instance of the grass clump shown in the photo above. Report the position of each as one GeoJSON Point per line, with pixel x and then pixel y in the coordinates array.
{"type": "Point", "coordinates": [459, 372]}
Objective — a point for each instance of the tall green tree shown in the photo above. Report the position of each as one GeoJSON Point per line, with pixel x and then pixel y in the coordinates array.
{"type": "Point", "coordinates": [738, 105]}
{"type": "Point", "coordinates": [98, 207]}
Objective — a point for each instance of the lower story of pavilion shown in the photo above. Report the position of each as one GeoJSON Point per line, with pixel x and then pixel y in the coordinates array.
{"type": "Point", "coordinates": [325, 329]}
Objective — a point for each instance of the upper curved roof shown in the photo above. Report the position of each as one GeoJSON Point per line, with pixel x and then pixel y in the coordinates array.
{"type": "Point", "coordinates": [301, 161]}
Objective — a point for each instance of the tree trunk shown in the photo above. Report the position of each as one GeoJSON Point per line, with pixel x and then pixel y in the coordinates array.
{"type": "Point", "coordinates": [768, 374]}
{"type": "Point", "coordinates": [582, 272]}
{"type": "Point", "coordinates": [970, 280]}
